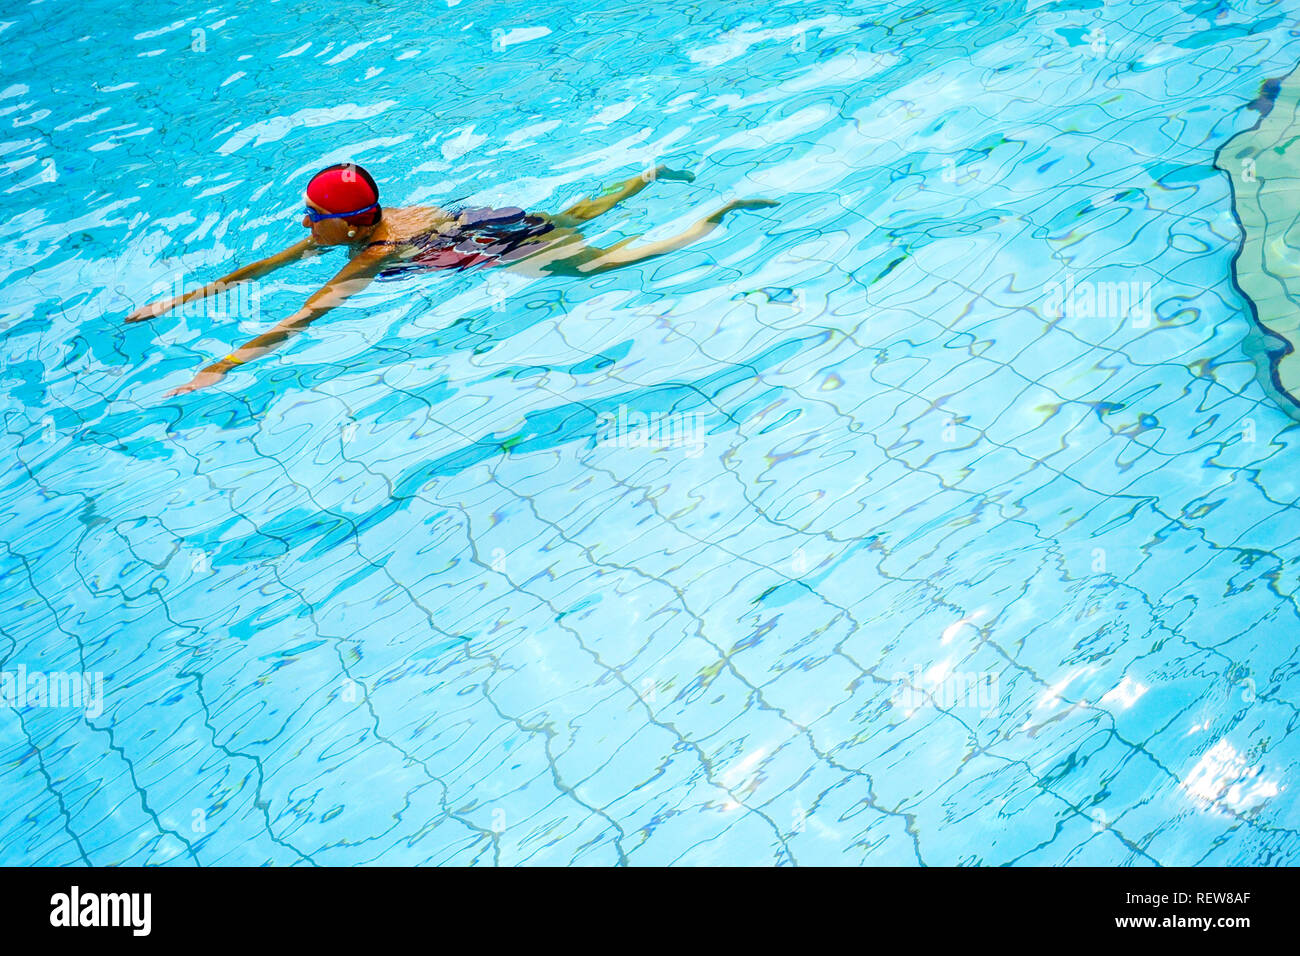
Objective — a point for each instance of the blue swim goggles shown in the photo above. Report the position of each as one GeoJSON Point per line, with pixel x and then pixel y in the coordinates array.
{"type": "Point", "coordinates": [315, 216]}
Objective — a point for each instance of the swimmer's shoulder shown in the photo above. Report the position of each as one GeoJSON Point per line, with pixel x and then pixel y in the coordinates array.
{"type": "Point", "coordinates": [411, 221]}
{"type": "Point", "coordinates": [409, 224]}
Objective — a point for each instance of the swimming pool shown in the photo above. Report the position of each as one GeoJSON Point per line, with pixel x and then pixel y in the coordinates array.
{"type": "Point", "coordinates": [936, 515]}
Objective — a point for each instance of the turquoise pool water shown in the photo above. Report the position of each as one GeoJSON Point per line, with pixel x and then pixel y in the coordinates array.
{"type": "Point", "coordinates": [861, 531]}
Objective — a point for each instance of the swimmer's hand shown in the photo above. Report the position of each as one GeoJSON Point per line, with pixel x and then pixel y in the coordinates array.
{"type": "Point", "coordinates": [202, 380]}
{"type": "Point", "coordinates": [152, 310]}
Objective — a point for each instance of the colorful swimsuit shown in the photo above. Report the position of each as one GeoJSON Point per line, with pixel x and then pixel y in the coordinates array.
{"type": "Point", "coordinates": [482, 236]}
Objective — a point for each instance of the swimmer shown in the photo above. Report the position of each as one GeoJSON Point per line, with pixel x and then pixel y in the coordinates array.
{"type": "Point", "coordinates": [342, 209]}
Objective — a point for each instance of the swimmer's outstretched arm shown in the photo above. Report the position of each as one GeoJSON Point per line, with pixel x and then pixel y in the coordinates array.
{"type": "Point", "coordinates": [254, 271]}
{"type": "Point", "coordinates": [351, 279]}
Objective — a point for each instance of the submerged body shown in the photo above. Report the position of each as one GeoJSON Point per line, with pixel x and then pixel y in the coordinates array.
{"type": "Point", "coordinates": [475, 237]}
{"type": "Point", "coordinates": [392, 243]}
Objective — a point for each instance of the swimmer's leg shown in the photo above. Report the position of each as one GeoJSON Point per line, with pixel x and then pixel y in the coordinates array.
{"type": "Point", "coordinates": [589, 209]}
{"type": "Point", "coordinates": [591, 260]}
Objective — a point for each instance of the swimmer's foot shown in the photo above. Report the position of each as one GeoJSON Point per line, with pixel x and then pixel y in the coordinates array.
{"type": "Point", "coordinates": [672, 175]}
{"type": "Point", "coordinates": [737, 204]}
{"type": "Point", "coordinates": [592, 261]}
{"type": "Point", "coordinates": [588, 209]}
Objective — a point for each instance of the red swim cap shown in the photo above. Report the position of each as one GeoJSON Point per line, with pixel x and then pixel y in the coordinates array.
{"type": "Point", "coordinates": [344, 188]}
